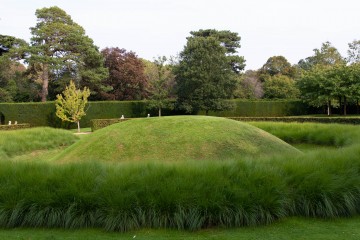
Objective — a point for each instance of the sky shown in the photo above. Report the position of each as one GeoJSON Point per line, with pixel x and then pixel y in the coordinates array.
{"type": "Point", "coordinates": [152, 28]}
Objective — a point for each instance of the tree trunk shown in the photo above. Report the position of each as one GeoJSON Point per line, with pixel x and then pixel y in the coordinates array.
{"type": "Point", "coordinates": [357, 106]}
{"type": "Point", "coordinates": [207, 112]}
{"type": "Point", "coordinates": [159, 112]}
{"type": "Point", "coordinates": [345, 103]}
{"type": "Point", "coordinates": [329, 108]}
{"type": "Point", "coordinates": [78, 124]}
{"type": "Point", "coordinates": [340, 104]}
{"type": "Point", "coordinates": [45, 84]}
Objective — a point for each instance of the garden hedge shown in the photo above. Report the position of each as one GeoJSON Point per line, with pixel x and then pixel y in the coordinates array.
{"type": "Point", "coordinates": [341, 120]}
{"type": "Point", "coordinates": [14, 126]}
{"type": "Point", "coordinates": [96, 124]}
{"type": "Point", "coordinates": [43, 114]}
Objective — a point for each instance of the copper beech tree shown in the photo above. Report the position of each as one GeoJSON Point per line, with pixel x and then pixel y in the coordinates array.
{"type": "Point", "coordinates": [126, 75]}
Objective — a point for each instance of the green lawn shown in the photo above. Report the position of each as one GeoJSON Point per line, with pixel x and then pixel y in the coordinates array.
{"type": "Point", "coordinates": [292, 228]}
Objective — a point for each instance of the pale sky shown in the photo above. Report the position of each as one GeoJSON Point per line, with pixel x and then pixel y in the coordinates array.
{"type": "Point", "coordinates": [154, 28]}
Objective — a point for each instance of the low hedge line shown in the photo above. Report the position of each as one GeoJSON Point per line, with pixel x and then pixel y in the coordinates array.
{"type": "Point", "coordinates": [43, 114]}
{"type": "Point", "coordinates": [97, 124]}
{"type": "Point", "coordinates": [14, 126]}
{"type": "Point", "coordinates": [341, 120]}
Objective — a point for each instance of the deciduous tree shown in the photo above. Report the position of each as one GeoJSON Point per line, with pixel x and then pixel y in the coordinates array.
{"type": "Point", "coordinates": [126, 75]}
{"type": "Point", "coordinates": [161, 84]}
{"type": "Point", "coordinates": [204, 76]}
{"type": "Point", "coordinates": [70, 106]}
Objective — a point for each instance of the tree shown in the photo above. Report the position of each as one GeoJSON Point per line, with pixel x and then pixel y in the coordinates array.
{"type": "Point", "coordinates": [249, 86]}
{"type": "Point", "coordinates": [229, 40]}
{"type": "Point", "coordinates": [280, 86]}
{"type": "Point", "coordinates": [13, 82]}
{"type": "Point", "coordinates": [71, 105]}
{"type": "Point", "coordinates": [61, 48]}
{"type": "Point", "coordinates": [354, 52]}
{"type": "Point", "coordinates": [277, 65]}
{"type": "Point", "coordinates": [315, 88]}
{"type": "Point", "coordinates": [126, 75]}
{"type": "Point", "coordinates": [327, 55]}
{"type": "Point", "coordinates": [161, 83]}
{"type": "Point", "coordinates": [204, 77]}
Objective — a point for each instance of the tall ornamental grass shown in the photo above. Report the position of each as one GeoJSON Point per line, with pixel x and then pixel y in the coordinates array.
{"type": "Point", "coordinates": [183, 196]}
{"type": "Point", "coordinates": [188, 195]}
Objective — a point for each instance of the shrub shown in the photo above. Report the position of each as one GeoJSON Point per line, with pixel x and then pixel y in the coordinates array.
{"type": "Point", "coordinates": [14, 126]}
{"type": "Point", "coordinates": [97, 124]}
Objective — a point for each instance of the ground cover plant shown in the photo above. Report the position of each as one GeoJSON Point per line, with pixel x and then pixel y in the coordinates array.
{"type": "Point", "coordinates": [243, 191]}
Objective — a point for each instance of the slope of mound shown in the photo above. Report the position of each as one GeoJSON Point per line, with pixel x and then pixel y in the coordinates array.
{"type": "Point", "coordinates": [175, 139]}
{"type": "Point", "coordinates": [22, 141]}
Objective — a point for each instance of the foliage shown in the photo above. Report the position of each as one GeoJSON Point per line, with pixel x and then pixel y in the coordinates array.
{"type": "Point", "coordinates": [327, 55]}
{"type": "Point", "coordinates": [354, 52]}
{"type": "Point", "coordinates": [277, 65]}
{"type": "Point", "coordinates": [43, 114]}
{"type": "Point", "coordinates": [230, 40]}
{"type": "Point", "coordinates": [161, 85]}
{"type": "Point", "coordinates": [14, 85]}
{"type": "Point", "coordinates": [14, 126]}
{"type": "Point", "coordinates": [249, 86]}
{"type": "Point", "coordinates": [280, 86]}
{"type": "Point", "coordinates": [321, 85]}
{"type": "Point", "coordinates": [337, 120]}
{"type": "Point", "coordinates": [203, 77]}
{"type": "Point", "coordinates": [60, 47]}
{"type": "Point", "coordinates": [97, 124]}
{"type": "Point", "coordinates": [126, 75]}
{"type": "Point", "coordinates": [71, 105]}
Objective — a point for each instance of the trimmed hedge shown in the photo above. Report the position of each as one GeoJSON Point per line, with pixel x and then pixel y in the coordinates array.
{"type": "Point", "coordinates": [342, 120]}
{"type": "Point", "coordinates": [264, 108]}
{"type": "Point", "coordinates": [97, 124]}
{"type": "Point", "coordinates": [43, 114]}
{"type": "Point", "coordinates": [14, 126]}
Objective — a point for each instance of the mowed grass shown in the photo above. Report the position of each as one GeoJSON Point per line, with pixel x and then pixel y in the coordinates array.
{"type": "Point", "coordinates": [291, 228]}
{"type": "Point", "coordinates": [170, 139]}
{"type": "Point", "coordinates": [18, 142]}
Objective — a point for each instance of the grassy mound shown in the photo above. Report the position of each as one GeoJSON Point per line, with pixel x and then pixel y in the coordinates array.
{"type": "Point", "coordinates": [176, 139]}
{"type": "Point", "coordinates": [23, 141]}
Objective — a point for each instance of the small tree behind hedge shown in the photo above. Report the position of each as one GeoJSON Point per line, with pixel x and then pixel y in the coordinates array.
{"type": "Point", "coordinates": [71, 106]}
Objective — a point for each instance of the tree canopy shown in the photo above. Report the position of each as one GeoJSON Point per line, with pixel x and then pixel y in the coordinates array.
{"type": "Point", "coordinates": [126, 75]}
{"type": "Point", "coordinates": [204, 77]}
{"type": "Point", "coordinates": [60, 47]}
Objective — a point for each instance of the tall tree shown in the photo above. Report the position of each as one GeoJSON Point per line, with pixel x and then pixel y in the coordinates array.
{"type": "Point", "coordinates": [354, 52]}
{"type": "Point", "coordinates": [126, 75]}
{"type": "Point", "coordinates": [277, 65]}
{"type": "Point", "coordinates": [60, 45]}
{"type": "Point", "coordinates": [280, 86]}
{"type": "Point", "coordinates": [327, 55]}
{"type": "Point", "coordinates": [13, 82]}
{"type": "Point", "coordinates": [204, 77]}
{"type": "Point", "coordinates": [249, 86]}
{"type": "Point", "coordinates": [161, 83]}
{"type": "Point", "coordinates": [229, 40]}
